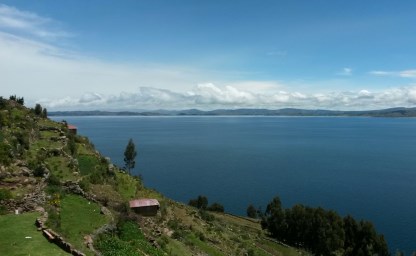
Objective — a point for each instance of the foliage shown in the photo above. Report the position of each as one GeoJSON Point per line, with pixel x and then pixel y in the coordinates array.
{"type": "Point", "coordinates": [130, 155]}
{"type": "Point", "coordinates": [3, 210]}
{"type": "Point", "coordinates": [54, 218]}
{"type": "Point", "coordinates": [39, 171]}
{"type": "Point", "coordinates": [201, 202]}
{"type": "Point", "coordinates": [251, 211]}
{"type": "Point", "coordinates": [5, 154]}
{"type": "Point", "coordinates": [110, 245]}
{"type": "Point", "coordinates": [206, 216]}
{"type": "Point", "coordinates": [53, 180]}
{"type": "Point", "coordinates": [20, 100]}
{"type": "Point", "coordinates": [127, 185]}
{"type": "Point", "coordinates": [72, 146]}
{"type": "Point", "coordinates": [22, 139]}
{"type": "Point", "coordinates": [129, 241]}
{"type": "Point", "coordinates": [322, 231]}
{"type": "Point", "coordinates": [38, 109]}
{"type": "Point", "coordinates": [216, 207]}
{"type": "Point", "coordinates": [87, 164]}
{"type": "Point", "coordinates": [5, 194]}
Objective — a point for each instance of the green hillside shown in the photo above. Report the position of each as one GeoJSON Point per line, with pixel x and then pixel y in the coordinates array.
{"type": "Point", "coordinates": [49, 173]}
{"type": "Point", "coordinates": [79, 201]}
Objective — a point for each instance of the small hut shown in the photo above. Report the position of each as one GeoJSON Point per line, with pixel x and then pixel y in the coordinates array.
{"type": "Point", "coordinates": [72, 129]}
{"type": "Point", "coordinates": [145, 207]}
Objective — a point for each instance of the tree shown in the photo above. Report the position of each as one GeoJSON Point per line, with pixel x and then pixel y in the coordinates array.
{"type": "Point", "coordinates": [216, 207]}
{"type": "Point", "coordinates": [201, 202]}
{"type": "Point", "coordinates": [130, 155]}
{"type": "Point", "coordinates": [251, 211]}
{"type": "Point", "coordinates": [38, 109]}
{"type": "Point", "coordinates": [45, 113]}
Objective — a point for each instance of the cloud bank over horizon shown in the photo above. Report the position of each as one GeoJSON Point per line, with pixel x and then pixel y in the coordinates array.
{"type": "Point", "coordinates": [209, 96]}
{"type": "Point", "coordinates": [38, 63]}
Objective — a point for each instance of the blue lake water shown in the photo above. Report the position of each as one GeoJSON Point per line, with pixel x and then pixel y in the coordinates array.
{"type": "Point", "coordinates": [360, 166]}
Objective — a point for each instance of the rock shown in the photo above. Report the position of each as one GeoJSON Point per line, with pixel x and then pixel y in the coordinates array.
{"type": "Point", "coordinates": [105, 211]}
{"type": "Point", "coordinates": [39, 209]}
{"type": "Point", "coordinates": [88, 240]}
{"type": "Point", "coordinates": [25, 171]}
{"type": "Point", "coordinates": [167, 232]}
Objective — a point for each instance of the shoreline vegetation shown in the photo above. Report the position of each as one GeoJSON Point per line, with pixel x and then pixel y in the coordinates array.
{"type": "Point", "coordinates": [46, 167]}
{"type": "Point", "coordinates": [390, 112]}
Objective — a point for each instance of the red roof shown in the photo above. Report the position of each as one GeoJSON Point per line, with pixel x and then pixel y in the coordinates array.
{"type": "Point", "coordinates": [143, 203]}
{"type": "Point", "coordinates": [71, 127]}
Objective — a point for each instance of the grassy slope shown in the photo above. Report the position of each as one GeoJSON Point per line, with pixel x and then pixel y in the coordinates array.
{"type": "Point", "coordinates": [14, 229]}
{"type": "Point", "coordinates": [192, 234]}
{"type": "Point", "coordinates": [79, 217]}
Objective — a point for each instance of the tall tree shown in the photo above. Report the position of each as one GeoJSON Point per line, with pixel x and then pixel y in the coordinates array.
{"type": "Point", "coordinates": [251, 211]}
{"type": "Point", "coordinates": [38, 109]}
{"type": "Point", "coordinates": [130, 155]}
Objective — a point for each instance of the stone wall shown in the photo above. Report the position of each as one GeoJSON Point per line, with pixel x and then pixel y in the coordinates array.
{"type": "Point", "coordinates": [54, 237]}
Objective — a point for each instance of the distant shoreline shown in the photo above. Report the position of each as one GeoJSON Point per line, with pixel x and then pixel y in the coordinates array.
{"type": "Point", "coordinates": [286, 112]}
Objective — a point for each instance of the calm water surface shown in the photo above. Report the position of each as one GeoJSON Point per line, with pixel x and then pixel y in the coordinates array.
{"type": "Point", "coordinates": [360, 166]}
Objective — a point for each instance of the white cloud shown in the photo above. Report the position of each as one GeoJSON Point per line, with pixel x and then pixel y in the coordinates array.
{"type": "Point", "coordinates": [31, 65]}
{"type": "Point", "coordinates": [210, 96]}
{"type": "Point", "coordinates": [410, 73]}
{"type": "Point", "coordinates": [29, 24]}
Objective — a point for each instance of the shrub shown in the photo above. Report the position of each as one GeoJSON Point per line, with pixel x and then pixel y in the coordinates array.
{"type": "Point", "coordinates": [251, 211]}
{"type": "Point", "coordinates": [216, 207]}
{"type": "Point", "coordinates": [5, 194]}
{"type": "Point", "coordinates": [206, 216]}
{"type": "Point", "coordinates": [3, 210]}
{"type": "Point", "coordinates": [201, 202]}
{"type": "Point", "coordinates": [39, 171]}
{"type": "Point", "coordinates": [5, 157]}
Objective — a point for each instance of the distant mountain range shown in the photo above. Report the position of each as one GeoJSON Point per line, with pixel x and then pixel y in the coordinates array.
{"type": "Point", "coordinates": [390, 112]}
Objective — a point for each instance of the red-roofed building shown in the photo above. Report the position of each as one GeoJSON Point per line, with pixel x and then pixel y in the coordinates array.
{"type": "Point", "coordinates": [145, 206]}
{"type": "Point", "coordinates": [72, 129]}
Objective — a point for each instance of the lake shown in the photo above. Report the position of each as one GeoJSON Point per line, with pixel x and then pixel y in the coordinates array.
{"type": "Point", "coordinates": [365, 167]}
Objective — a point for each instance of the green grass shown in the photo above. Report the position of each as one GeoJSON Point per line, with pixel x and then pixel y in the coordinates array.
{"type": "Point", "coordinates": [79, 217]}
{"type": "Point", "coordinates": [87, 164]}
{"type": "Point", "coordinates": [203, 246]}
{"type": "Point", "coordinates": [126, 186]}
{"type": "Point", "coordinates": [49, 123]}
{"type": "Point", "coordinates": [48, 134]}
{"type": "Point", "coordinates": [44, 143]}
{"type": "Point", "coordinates": [130, 242]}
{"type": "Point", "coordinates": [58, 165]}
{"type": "Point", "coordinates": [176, 248]}
{"type": "Point", "coordinates": [272, 246]}
{"type": "Point", "coordinates": [14, 229]}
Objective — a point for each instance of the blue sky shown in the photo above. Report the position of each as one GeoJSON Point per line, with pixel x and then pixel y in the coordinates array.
{"type": "Point", "coordinates": [209, 54]}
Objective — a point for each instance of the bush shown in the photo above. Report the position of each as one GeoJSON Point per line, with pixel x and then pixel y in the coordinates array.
{"type": "Point", "coordinates": [110, 245]}
{"type": "Point", "coordinates": [84, 184]}
{"type": "Point", "coordinates": [206, 216]}
{"type": "Point", "coordinates": [5, 194]}
{"type": "Point", "coordinates": [3, 210]}
{"type": "Point", "coordinates": [201, 202]}
{"type": "Point", "coordinates": [39, 171]}
{"type": "Point", "coordinates": [5, 157]}
{"type": "Point", "coordinates": [53, 180]}
{"type": "Point", "coordinates": [216, 207]}
{"type": "Point", "coordinates": [251, 211]}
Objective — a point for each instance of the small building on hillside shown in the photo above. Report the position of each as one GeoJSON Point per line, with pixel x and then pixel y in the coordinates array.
{"type": "Point", "coordinates": [73, 129]}
{"type": "Point", "coordinates": [145, 206]}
